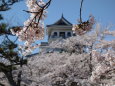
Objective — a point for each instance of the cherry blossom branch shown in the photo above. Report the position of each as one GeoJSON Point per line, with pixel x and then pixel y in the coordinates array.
{"type": "Point", "coordinates": [33, 29]}
{"type": "Point", "coordinates": [33, 19]}
{"type": "Point", "coordinates": [83, 26]}
{"type": "Point", "coordinates": [39, 12]}
{"type": "Point", "coordinates": [29, 11]}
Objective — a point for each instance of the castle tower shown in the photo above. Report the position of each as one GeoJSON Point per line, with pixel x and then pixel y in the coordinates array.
{"type": "Point", "coordinates": [60, 29]}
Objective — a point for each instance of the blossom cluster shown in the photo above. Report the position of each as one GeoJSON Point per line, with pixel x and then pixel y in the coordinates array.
{"type": "Point", "coordinates": [109, 32]}
{"type": "Point", "coordinates": [33, 27]}
{"type": "Point", "coordinates": [103, 57]}
{"type": "Point", "coordinates": [65, 68]}
{"type": "Point", "coordinates": [83, 27]}
{"type": "Point", "coordinates": [104, 62]}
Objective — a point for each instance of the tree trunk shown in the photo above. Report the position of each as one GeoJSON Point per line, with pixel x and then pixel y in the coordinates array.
{"type": "Point", "coordinates": [10, 78]}
{"type": "Point", "coordinates": [2, 84]}
{"type": "Point", "coordinates": [19, 79]}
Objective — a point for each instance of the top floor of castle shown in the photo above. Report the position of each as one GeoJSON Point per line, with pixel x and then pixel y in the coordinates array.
{"type": "Point", "coordinates": [60, 29]}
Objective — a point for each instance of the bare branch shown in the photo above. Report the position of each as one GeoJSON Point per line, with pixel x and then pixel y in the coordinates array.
{"type": "Point", "coordinates": [81, 10]}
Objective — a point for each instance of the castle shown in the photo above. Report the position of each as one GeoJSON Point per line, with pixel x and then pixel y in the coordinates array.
{"type": "Point", "coordinates": [60, 29]}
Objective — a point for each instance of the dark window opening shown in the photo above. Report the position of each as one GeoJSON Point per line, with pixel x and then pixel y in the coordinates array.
{"type": "Point", "coordinates": [62, 34]}
{"type": "Point", "coordinates": [69, 34]}
{"type": "Point", "coordinates": [55, 34]}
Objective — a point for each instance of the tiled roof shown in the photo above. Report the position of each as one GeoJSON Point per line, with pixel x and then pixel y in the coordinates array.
{"type": "Point", "coordinates": [61, 21]}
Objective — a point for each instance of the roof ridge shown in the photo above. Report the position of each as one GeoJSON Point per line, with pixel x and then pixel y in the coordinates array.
{"type": "Point", "coordinates": [62, 21]}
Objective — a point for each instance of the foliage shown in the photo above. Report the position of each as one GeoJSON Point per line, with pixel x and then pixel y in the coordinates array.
{"type": "Point", "coordinates": [5, 4]}
{"type": "Point", "coordinates": [10, 58]}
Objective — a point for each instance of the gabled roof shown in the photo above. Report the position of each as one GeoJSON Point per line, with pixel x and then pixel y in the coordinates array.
{"type": "Point", "coordinates": [61, 21]}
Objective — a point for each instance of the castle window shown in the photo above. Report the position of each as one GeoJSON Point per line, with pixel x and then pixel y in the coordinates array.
{"type": "Point", "coordinates": [55, 34]}
{"type": "Point", "coordinates": [69, 34]}
{"type": "Point", "coordinates": [62, 34]}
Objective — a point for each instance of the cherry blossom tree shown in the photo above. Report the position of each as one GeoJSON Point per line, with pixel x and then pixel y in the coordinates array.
{"type": "Point", "coordinates": [86, 59]}
{"type": "Point", "coordinates": [94, 66]}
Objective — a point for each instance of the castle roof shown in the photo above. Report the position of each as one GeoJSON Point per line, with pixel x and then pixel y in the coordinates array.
{"type": "Point", "coordinates": [61, 21]}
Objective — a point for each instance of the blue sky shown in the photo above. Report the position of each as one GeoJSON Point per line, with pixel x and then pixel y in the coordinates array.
{"type": "Point", "coordinates": [102, 10]}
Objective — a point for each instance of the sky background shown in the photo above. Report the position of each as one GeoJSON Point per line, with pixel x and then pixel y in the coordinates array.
{"type": "Point", "coordinates": [102, 10]}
